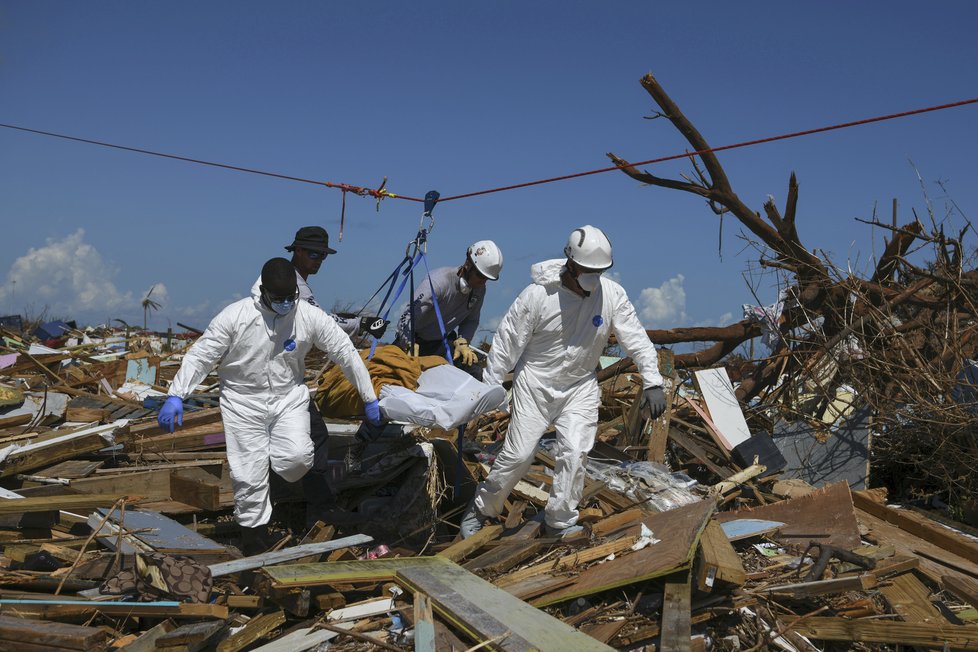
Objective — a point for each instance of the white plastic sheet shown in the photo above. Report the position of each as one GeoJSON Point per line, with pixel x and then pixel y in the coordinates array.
{"type": "Point", "coordinates": [446, 397]}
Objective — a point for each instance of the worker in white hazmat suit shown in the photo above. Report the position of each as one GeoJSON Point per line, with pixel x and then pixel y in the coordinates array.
{"type": "Point", "coordinates": [258, 346]}
{"type": "Point", "coordinates": [552, 336]}
{"type": "Point", "coordinates": [309, 250]}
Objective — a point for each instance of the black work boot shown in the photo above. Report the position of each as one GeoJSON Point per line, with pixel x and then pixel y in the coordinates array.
{"type": "Point", "coordinates": [255, 540]}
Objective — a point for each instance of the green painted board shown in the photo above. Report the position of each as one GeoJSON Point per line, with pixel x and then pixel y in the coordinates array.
{"type": "Point", "coordinates": [487, 613]}
{"type": "Point", "coordinates": [477, 607]}
{"type": "Point", "coordinates": [341, 572]}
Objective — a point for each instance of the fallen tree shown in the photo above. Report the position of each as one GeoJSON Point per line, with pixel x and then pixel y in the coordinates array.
{"type": "Point", "coordinates": [901, 336]}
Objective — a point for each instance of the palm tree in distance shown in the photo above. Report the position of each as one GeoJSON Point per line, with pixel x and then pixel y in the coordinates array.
{"type": "Point", "coordinates": [149, 304]}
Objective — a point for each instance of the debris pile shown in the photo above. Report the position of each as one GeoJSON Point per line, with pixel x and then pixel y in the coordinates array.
{"type": "Point", "coordinates": [703, 530]}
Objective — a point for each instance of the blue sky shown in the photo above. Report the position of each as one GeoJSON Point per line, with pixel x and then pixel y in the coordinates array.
{"type": "Point", "coordinates": [456, 97]}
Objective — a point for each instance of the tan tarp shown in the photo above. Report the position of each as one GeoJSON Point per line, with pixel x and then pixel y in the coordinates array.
{"type": "Point", "coordinates": [336, 397]}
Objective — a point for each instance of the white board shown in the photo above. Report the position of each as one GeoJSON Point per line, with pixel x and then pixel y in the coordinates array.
{"type": "Point", "coordinates": [722, 404]}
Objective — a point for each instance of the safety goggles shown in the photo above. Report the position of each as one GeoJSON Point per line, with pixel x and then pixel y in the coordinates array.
{"type": "Point", "coordinates": [280, 299]}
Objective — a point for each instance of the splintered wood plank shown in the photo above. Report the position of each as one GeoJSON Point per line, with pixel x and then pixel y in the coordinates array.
{"type": "Point", "coordinates": [254, 629]}
{"type": "Point", "coordinates": [963, 587]}
{"type": "Point", "coordinates": [67, 502]}
{"type": "Point", "coordinates": [568, 562]}
{"type": "Point", "coordinates": [193, 636]}
{"type": "Point", "coordinates": [920, 526]}
{"type": "Point", "coordinates": [724, 408]}
{"type": "Point", "coordinates": [62, 447]}
{"type": "Point", "coordinates": [604, 632]}
{"type": "Point", "coordinates": [489, 614]}
{"type": "Point", "coordinates": [618, 521]}
{"type": "Point", "coordinates": [679, 530]}
{"type": "Point", "coordinates": [825, 515]}
{"type": "Point", "coordinates": [45, 633]}
{"type": "Point", "coordinates": [465, 547]}
{"type": "Point", "coordinates": [147, 640]}
{"type": "Point", "coordinates": [71, 469]}
{"type": "Point", "coordinates": [862, 582]}
{"type": "Point", "coordinates": [531, 587]}
{"type": "Point", "coordinates": [934, 560]}
{"type": "Point", "coordinates": [64, 608]}
{"type": "Point", "coordinates": [209, 435]}
{"type": "Point", "coordinates": [718, 561]}
{"type": "Point", "coordinates": [676, 614]}
{"type": "Point", "coordinates": [511, 551]}
{"type": "Point", "coordinates": [908, 597]}
{"type": "Point", "coordinates": [424, 624]}
{"type": "Point", "coordinates": [660, 427]}
{"type": "Point", "coordinates": [957, 637]}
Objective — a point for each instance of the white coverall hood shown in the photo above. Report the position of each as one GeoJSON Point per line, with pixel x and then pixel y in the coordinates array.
{"type": "Point", "coordinates": [553, 338]}
{"type": "Point", "coordinates": [548, 272]}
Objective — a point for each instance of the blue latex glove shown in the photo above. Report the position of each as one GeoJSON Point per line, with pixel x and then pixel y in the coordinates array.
{"type": "Point", "coordinates": [173, 408]}
{"type": "Point", "coordinates": [372, 410]}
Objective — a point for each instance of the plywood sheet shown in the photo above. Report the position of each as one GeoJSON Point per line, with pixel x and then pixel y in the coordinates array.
{"type": "Point", "coordinates": [826, 515]}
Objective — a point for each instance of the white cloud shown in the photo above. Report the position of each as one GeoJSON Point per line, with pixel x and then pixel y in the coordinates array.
{"type": "Point", "coordinates": [68, 276]}
{"type": "Point", "coordinates": [664, 306]}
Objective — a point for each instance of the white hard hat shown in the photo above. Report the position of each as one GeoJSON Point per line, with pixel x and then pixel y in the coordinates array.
{"type": "Point", "coordinates": [487, 258]}
{"type": "Point", "coordinates": [589, 247]}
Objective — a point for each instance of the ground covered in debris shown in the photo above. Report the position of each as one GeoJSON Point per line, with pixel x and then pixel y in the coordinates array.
{"type": "Point", "coordinates": [703, 530]}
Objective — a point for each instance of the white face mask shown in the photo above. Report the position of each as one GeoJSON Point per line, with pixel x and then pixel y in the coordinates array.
{"type": "Point", "coordinates": [283, 307]}
{"type": "Point", "coordinates": [463, 285]}
{"type": "Point", "coordinates": [589, 282]}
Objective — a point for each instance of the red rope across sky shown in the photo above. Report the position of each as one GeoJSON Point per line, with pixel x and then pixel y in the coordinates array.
{"type": "Point", "coordinates": [381, 193]}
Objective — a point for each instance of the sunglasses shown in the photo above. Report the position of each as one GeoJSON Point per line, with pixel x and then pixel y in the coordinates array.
{"type": "Point", "coordinates": [315, 255]}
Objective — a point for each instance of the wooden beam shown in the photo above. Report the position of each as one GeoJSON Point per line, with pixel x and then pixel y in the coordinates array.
{"type": "Point", "coordinates": [566, 562]}
{"type": "Point", "coordinates": [676, 614]}
{"type": "Point", "coordinates": [718, 561]}
{"type": "Point", "coordinates": [56, 635]}
{"type": "Point", "coordinates": [191, 637]}
{"type": "Point", "coordinates": [147, 640]}
{"type": "Point", "coordinates": [197, 487]}
{"type": "Point", "coordinates": [489, 614]}
{"type": "Point", "coordinates": [465, 547]}
{"type": "Point", "coordinates": [862, 582]}
{"type": "Point", "coordinates": [254, 630]}
{"type": "Point", "coordinates": [910, 598]}
{"type": "Point", "coordinates": [69, 503]}
{"type": "Point", "coordinates": [511, 551]}
{"type": "Point", "coordinates": [959, 637]}
{"type": "Point", "coordinates": [62, 447]}
{"type": "Point", "coordinates": [63, 608]}
{"type": "Point", "coordinates": [424, 624]}
{"type": "Point", "coordinates": [964, 588]}
{"type": "Point", "coordinates": [919, 526]}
